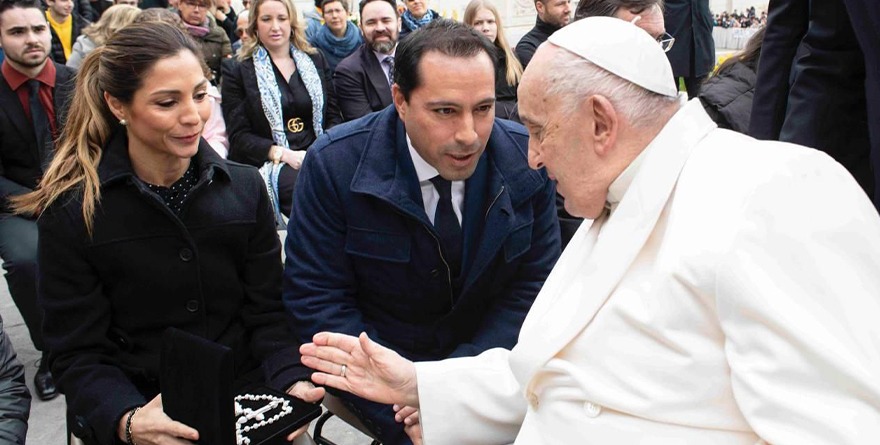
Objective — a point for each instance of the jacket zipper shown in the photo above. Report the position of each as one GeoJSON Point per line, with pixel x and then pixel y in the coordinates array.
{"type": "Point", "coordinates": [486, 217]}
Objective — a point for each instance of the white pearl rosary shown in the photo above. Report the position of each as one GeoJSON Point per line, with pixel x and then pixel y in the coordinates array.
{"type": "Point", "coordinates": [260, 415]}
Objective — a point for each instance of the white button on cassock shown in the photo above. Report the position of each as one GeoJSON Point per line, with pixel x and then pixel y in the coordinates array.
{"type": "Point", "coordinates": [592, 409]}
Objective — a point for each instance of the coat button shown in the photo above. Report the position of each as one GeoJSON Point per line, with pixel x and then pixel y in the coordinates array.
{"type": "Point", "coordinates": [592, 409]}
{"type": "Point", "coordinates": [192, 305]}
{"type": "Point", "coordinates": [186, 254]}
{"type": "Point", "coordinates": [435, 272]}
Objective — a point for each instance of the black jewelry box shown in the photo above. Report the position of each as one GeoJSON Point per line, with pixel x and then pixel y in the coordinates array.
{"type": "Point", "coordinates": [197, 384]}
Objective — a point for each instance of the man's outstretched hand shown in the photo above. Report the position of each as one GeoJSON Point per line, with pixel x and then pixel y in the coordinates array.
{"type": "Point", "coordinates": [371, 371]}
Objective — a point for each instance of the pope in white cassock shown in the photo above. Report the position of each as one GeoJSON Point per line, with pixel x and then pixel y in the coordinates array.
{"type": "Point", "coordinates": [727, 291]}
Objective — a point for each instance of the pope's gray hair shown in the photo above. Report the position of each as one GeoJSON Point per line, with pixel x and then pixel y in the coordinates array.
{"type": "Point", "coordinates": [574, 79]}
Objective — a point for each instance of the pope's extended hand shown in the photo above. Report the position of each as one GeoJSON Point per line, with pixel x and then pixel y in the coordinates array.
{"type": "Point", "coordinates": [370, 370]}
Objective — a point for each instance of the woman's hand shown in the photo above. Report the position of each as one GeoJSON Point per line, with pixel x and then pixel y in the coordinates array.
{"type": "Point", "coordinates": [150, 425]}
{"type": "Point", "coordinates": [371, 371]}
{"type": "Point", "coordinates": [293, 158]}
{"type": "Point", "coordinates": [305, 391]}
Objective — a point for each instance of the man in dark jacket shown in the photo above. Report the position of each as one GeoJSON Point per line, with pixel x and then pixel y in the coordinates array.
{"type": "Point", "coordinates": [363, 79]}
{"type": "Point", "coordinates": [422, 225]}
{"type": "Point", "coordinates": [693, 55]}
{"type": "Point", "coordinates": [810, 88]}
{"type": "Point", "coordinates": [552, 15]}
{"type": "Point", "coordinates": [34, 95]}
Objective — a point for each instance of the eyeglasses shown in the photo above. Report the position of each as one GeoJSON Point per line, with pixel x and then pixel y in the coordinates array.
{"type": "Point", "coordinates": [240, 32]}
{"type": "Point", "coordinates": [666, 41]}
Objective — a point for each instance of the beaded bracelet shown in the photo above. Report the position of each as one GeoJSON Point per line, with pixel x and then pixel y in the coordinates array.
{"type": "Point", "coordinates": [131, 414]}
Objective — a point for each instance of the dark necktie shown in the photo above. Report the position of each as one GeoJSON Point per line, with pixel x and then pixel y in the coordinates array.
{"type": "Point", "coordinates": [40, 120]}
{"type": "Point", "coordinates": [390, 62]}
{"type": "Point", "coordinates": [447, 225]}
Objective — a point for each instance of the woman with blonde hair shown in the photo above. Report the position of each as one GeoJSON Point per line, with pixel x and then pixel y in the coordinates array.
{"type": "Point", "coordinates": [142, 227]}
{"type": "Point", "coordinates": [96, 34]}
{"type": "Point", "coordinates": [277, 99]}
{"type": "Point", "coordinates": [483, 16]}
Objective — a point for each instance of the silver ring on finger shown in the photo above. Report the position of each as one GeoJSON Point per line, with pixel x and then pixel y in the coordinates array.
{"type": "Point", "coordinates": [344, 368]}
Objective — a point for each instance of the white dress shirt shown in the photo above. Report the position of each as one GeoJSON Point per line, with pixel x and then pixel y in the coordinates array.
{"type": "Point", "coordinates": [430, 196]}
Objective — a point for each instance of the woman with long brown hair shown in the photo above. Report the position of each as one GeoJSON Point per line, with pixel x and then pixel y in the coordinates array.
{"type": "Point", "coordinates": [483, 16]}
{"type": "Point", "coordinates": [142, 227]}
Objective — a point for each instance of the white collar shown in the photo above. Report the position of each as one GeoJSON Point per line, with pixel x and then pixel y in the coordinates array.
{"type": "Point", "coordinates": [424, 171]}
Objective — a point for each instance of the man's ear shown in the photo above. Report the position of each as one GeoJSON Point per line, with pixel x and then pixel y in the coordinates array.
{"type": "Point", "coordinates": [539, 7]}
{"type": "Point", "coordinates": [606, 124]}
{"type": "Point", "coordinates": [115, 106]}
{"type": "Point", "coordinates": [399, 101]}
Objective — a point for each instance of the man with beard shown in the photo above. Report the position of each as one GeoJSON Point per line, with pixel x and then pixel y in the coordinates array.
{"type": "Point", "coordinates": [34, 96]}
{"type": "Point", "coordinates": [363, 79]}
{"type": "Point", "coordinates": [422, 224]}
{"type": "Point", "coordinates": [552, 15]}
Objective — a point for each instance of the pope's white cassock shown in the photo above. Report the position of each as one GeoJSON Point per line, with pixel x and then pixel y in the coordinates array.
{"type": "Point", "coordinates": [730, 295]}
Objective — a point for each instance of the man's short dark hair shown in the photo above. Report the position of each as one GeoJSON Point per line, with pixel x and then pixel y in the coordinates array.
{"type": "Point", "coordinates": [6, 5]}
{"type": "Point", "coordinates": [344, 4]}
{"type": "Point", "coordinates": [607, 8]}
{"type": "Point", "coordinates": [364, 3]}
{"type": "Point", "coordinates": [448, 37]}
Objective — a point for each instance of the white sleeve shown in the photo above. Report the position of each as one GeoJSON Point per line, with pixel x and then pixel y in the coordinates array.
{"type": "Point", "coordinates": [470, 400]}
{"type": "Point", "coordinates": [798, 297]}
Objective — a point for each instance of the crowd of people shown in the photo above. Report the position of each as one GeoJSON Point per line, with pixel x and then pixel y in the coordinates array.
{"type": "Point", "coordinates": [486, 242]}
{"type": "Point", "coordinates": [736, 19]}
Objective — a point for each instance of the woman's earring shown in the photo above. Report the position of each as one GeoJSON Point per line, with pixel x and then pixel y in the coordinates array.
{"type": "Point", "coordinates": [123, 122]}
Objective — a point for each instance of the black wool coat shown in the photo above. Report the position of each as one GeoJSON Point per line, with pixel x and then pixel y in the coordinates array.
{"type": "Point", "coordinates": [214, 270]}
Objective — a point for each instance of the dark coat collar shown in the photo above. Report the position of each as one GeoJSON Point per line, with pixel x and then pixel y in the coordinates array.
{"type": "Point", "coordinates": [545, 27]}
{"type": "Point", "coordinates": [386, 169]}
{"type": "Point", "coordinates": [116, 165]}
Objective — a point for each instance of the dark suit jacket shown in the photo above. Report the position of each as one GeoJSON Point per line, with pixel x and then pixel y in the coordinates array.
{"type": "Point", "coordinates": [690, 22]}
{"type": "Point", "coordinates": [21, 161]}
{"type": "Point", "coordinates": [249, 133]}
{"type": "Point", "coordinates": [820, 101]}
{"type": "Point", "coordinates": [360, 80]}
{"type": "Point", "coordinates": [865, 18]}
{"type": "Point", "coordinates": [362, 255]}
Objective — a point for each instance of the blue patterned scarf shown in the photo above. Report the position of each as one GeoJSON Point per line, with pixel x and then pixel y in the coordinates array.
{"type": "Point", "coordinates": [413, 24]}
{"type": "Point", "coordinates": [335, 48]}
{"type": "Point", "coordinates": [270, 98]}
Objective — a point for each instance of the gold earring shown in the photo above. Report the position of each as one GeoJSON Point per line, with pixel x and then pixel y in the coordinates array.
{"type": "Point", "coordinates": [123, 122]}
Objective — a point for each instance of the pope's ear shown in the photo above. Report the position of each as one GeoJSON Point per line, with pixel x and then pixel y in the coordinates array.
{"type": "Point", "coordinates": [606, 123]}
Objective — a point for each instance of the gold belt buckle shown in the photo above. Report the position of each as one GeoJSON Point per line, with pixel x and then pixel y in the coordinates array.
{"type": "Point", "coordinates": [295, 125]}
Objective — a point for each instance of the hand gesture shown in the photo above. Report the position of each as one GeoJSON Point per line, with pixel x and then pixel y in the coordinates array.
{"type": "Point", "coordinates": [151, 426]}
{"type": "Point", "coordinates": [362, 367]}
{"type": "Point", "coordinates": [307, 392]}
